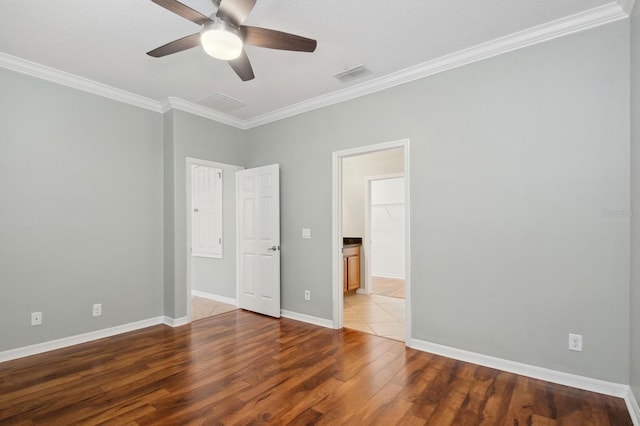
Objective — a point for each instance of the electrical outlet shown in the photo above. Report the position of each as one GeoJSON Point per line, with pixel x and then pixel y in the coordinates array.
{"type": "Point", "coordinates": [575, 342]}
{"type": "Point", "coordinates": [97, 309]}
{"type": "Point", "coordinates": [306, 233]}
{"type": "Point", "coordinates": [307, 295]}
{"type": "Point", "coordinates": [36, 318]}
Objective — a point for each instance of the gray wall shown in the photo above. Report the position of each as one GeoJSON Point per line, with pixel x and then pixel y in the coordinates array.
{"type": "Point", "coordinates": [80, 211]}
{"type": "Point", "coordinates": [513, 162]}
{"type": "Point", "coordinates": [635, 202]}
{"type": "Point", "coordinates": [204, 139]}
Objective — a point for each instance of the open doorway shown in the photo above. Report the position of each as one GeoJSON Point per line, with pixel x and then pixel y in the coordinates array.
{"type": "Point", "coordinates": [371, 240]}
{"type": "Point", "coordinates": [211, 229]}
{"type": "Point", "coordinates": [384, 235]}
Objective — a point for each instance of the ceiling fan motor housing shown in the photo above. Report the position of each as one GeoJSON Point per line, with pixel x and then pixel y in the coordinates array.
{"type": "Point", "coordinates": [221, 40]}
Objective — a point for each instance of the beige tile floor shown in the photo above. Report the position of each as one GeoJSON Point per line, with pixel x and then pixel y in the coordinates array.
{"type": "Point", "coordinates": [203, 308]}
{"type": "Point", "coordinates": [375, 314]}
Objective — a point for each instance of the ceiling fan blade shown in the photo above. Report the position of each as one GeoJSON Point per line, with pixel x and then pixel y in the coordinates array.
{"type": "Point", "coordinates": [263, 37]}
{"type": "Point", "coordinates": [235, 11]}
{"type": "Point", "coordinates": [175, 46]}
{"type": "Point", "coordinates": [184, 11]}
{"type": "Point", "coordinates": [242, 67]}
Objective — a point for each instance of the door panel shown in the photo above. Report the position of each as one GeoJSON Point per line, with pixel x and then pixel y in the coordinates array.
{"type": "Point", "coordinates": [259, 240]}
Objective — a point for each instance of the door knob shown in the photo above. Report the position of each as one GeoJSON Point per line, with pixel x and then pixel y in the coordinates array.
{"type": "Point", "coordinates": [274, 248]}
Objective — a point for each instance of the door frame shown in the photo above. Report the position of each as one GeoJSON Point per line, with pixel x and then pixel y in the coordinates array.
{"type": "Point", "coordinates": [336, 219]}
{"type": "Point", "coordinates": [366, 241]}
{"type": "Point", "coordinates": [190, 161]}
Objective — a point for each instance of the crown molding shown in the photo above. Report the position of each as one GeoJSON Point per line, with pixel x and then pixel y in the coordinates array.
{"type": "Point", "coordinates": [71, 80]}
{"type": "Point", "coordinates": [627, 6]}
{"type": "Point", "coordinates": [605, 14]}
{"type": "Point", "coordinates": [199, 110]}
{"type": "Point", "coordinates": [581, 21]}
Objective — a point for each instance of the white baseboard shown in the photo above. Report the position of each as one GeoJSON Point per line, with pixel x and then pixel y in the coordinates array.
{"type": "Point", "coordinates": [632, 406]}
{"type": "Point", "coordinates": [322, 322]}
{"type": "Point", "coordinates": [175, 322]}
{"type": "Point", "coordinates": [392, 276]}
{"type": "Point", "coordinates": [77, 339]}
{"type": "Point", "coordinates": [559, 377]}
{"type": "Point", "coordinates": [210, 296]}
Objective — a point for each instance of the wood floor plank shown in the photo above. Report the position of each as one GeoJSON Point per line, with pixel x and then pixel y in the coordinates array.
{"type": "Point", "coordinates": [455, 393]}
{"type": "Point", "coordinates": [498, 399]}
{"type": "Point", "coordinates": [473, 406]}
{"type": "Point", "coordinates": [522, 402]}
{"type": "Point", "coordinates": [244, 368]}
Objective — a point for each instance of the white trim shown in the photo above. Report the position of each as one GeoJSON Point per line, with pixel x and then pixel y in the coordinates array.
{"type": "Point", "coordinates": [337, 266]}
{"type": "Point", "coordinates": [214, 164]}
{"type": "Point", "coordinates": [392, 276]}
{"type": "Point", "coordinates": [632, 406]}
{"type": "Point", "coordinates": [201, 111]}
{"type": "Point", "coordinates": [189, 162]}
{"type": "Point", "coordinates": [407, 242]}
{"type": "Point", "coordinates": [322, 322]}
{"type": "Point", "coordinates": [215, 297]}
{"type": "Point", "coordinates": [78, 339]}
{"type": "Point", "coordinates": [591, 18]}
{"type": "Point", "coordinates": [81, 83]}
{"type": "Point", "coordinates": [559, 377]}
{"type": "Point", "coordinates": [568, 25]}
{"type": "Point", "coordinates": [237, 232]}
{"type": "Point", "coordinates": [336, 220]}
{"type": "Point", "coordinates": [627, 6]}
{"type": "Point", "coordinates": [176, 322]}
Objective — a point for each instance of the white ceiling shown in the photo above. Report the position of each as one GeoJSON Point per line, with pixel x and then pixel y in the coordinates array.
{"type": "Point", "coordinates": [106, 41]}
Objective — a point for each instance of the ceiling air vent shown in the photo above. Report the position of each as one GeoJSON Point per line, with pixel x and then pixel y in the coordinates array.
{"type": "Point", "coordinates": [222, 103]}
{"type": "Point", "coordinates": [352, 73]}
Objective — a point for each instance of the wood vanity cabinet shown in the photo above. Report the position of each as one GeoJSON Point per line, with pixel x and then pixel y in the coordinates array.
{"type": "Point", "coordinates": [351, 267]}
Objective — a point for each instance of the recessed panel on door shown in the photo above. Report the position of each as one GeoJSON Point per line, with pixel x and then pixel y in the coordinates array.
{"type": "Point", "coordinates": [248, 285]}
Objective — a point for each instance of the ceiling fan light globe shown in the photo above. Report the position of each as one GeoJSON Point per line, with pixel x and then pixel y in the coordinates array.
{"type": "Point", "coordinates": [221, 42]}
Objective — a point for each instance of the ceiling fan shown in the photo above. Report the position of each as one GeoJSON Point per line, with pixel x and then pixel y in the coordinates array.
{"type": "Point", "coordinates": [223, 35]}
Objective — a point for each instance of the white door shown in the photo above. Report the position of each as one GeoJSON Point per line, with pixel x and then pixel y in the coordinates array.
{"type": "Point", "coordinates": [258, 219]}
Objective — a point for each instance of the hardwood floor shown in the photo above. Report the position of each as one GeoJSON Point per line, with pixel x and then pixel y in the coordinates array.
{"type": "Point", "coordinates": [243, 368]}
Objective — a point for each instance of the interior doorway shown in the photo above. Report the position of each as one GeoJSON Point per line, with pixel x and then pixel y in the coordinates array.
{"type": "Point", "coordinates": [384, 235]}
{"type": "Point", "coordinates": [357, 211]}
{"type": "Point", "coordinates": [210, 231]}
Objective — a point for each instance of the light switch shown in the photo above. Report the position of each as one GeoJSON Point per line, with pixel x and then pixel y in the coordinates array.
{"type": "Point", "coordinates": [306, 233]}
